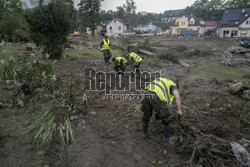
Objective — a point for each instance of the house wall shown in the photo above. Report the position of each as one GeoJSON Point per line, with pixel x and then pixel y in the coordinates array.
{"type": "Point", "coordinates": [245, 28]}
{"type": "Point", "coordinates": [230, 30]}
{"type": "Point", "coordinates": [182, 22]}
{"type": "Point", "coordinates": [117, 28]}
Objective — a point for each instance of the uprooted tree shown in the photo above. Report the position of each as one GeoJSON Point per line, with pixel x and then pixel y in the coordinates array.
{"type": "Point", "coordinates": [50, 24]}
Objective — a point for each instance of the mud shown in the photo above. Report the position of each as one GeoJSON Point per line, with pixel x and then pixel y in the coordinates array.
{"type": "Point", "coordinates": [108, 132]}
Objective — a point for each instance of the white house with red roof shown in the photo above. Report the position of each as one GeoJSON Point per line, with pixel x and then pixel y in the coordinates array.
{"type": "Point", "coordinates": [116, 27]}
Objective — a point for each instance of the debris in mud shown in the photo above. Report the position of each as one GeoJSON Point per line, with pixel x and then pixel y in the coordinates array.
{"type": "Point", "coordinates": [148, 53]}
{"type": "Point", "coordinates": [241, 153]}
{"type": "Point", "coordinates": [240, 89]}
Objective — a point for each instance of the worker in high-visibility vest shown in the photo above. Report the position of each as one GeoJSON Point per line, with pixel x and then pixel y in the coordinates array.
{"type": "Point", "coordinates": [159, 94]}
{"type": "Point", "coordinates": [120, 64]}
{"type": "Point", "coordinates": [134, 60]}
{"type": "Point", "coordinates": [105, 49]}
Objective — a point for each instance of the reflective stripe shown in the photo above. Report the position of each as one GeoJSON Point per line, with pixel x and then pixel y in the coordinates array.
{"type": "Point", "coordinates": [136, 57]}
{"type": "Point", "coordinates": [166, 88]}
{"type": "Point", "coordinates": [159, 87]}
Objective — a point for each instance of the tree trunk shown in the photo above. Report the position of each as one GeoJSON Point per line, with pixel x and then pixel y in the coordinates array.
{"type": "Point", "coordinates": [93, 31]}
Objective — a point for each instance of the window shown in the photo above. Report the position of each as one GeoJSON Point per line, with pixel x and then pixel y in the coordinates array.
{"type": "Point", "coordinates": [247, 22]}
{"type": "Point", "coordinates": [225, 33]}
{"type": "Point", "coordinates": [120, 28]}
{"type": "Point", "coordinates": [115, 21]}
{"type": "Point", "coordinates": [183, 23]}
{"type": "Point", "coordinates": [110, 28]}
{"type": "Point", "coordinates": [192, 22]}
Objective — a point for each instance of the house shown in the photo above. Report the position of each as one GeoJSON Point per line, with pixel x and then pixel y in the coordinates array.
{"type": "Point", "coordinates": [146, 28]}
{"type": "Point", "coordinates": [171, 15]}
{"type": "Point", "coordinates": [235, 23]}
{"type": "Point", "coordinates": [212, 27]}
{"type": "Point", "coordinates": [188, 25]}
{"type": "Point", "coordinates": [116, 27]}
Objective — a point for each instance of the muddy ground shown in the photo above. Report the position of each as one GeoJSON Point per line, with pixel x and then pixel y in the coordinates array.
{"type": "Point", "coordinates": [108, 131]}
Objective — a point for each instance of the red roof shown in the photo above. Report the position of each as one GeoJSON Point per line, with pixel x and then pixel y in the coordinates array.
{"type": "Point", "coordinates": [117, 19]}
{"type": "Point", "coordinates": [212, 23]}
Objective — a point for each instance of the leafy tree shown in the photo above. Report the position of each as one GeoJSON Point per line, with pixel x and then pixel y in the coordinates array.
{"type": "Point", "coordinates": [206, 9]}
{"type": "Point", "coordinates": [50, 24]}
{"type": "Point", "coordinates": [237, 4]}
{"type": "Point", "coordinates": [89, 11]}
{"type": "Point", "coordinates": [13, 26]}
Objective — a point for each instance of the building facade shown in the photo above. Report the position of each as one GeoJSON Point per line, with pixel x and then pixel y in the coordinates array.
{"type": "Point", "coordinates": [235, 23]}
{"type": "Point", "coordinates": [116, 27]}
{"type": "Point", "coordinates": [189, 25]}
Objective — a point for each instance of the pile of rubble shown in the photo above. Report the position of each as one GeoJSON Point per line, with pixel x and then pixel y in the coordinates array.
{"type": "Point", "coordinates": [236, 55]}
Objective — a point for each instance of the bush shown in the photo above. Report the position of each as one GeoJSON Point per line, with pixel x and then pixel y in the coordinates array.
{"type": "Point", "coordinates": [50, 25]}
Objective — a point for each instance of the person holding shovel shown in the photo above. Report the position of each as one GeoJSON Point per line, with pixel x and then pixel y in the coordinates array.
{"type": "Point", "coordinates": [159, 94]}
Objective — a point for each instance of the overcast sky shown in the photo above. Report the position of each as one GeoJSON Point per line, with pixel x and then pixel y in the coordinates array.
{"type": "Point", "coordinates": [156, 6]}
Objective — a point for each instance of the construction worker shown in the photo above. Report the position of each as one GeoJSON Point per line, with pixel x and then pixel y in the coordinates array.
{"type": "Point", "coordinates": [159, 94]}
{"type": "Point", "coordinates": [105, 44]}
{"type": "Point", "coordinates": [120, 64]}
{"type": "Point", "coordinates": [134, 60]}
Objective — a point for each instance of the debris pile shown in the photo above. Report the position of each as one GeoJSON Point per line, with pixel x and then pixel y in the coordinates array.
{"type": "Point", "coordinates": [236, 56]}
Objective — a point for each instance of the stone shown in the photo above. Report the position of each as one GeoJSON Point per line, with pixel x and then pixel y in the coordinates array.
{"type": "Point", "coordinates": [246, 94]}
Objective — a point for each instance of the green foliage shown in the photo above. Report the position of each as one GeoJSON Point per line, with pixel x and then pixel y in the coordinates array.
{"type": "Point", "coordinates": [50, 24]}
{"type": "Point", "coordinates": [221, 72]}
{"type": "Point", "coordinates": [89, 12]}
{"type": "Point", "coordinates": [13, 26]}
{"type": "Point", "coordinates": [54, 126]}
{"type": "Point", "coordinates": [233, 4]}
{"type": "Point", "coordinates": [207, 10]}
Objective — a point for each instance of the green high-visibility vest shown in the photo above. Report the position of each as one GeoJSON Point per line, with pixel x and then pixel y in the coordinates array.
{"type": "Point", "coordinates": [119, 60]}
{"type": "Point", "coordinates": [161, 87]}
{"type": "Point", "coordinates": [105, 45]}
{"type": "Point", "coordinates": [136, 57]}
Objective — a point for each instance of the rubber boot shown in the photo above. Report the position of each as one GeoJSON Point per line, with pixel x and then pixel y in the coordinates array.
{"type": "Point", "coordinates": [145, 129]}
{"type": "Point", "coordinates": [166, 130]}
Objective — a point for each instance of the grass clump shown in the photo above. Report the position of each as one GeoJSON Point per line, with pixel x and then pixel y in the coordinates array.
{"type": "Point", "coordinates": [146, 45]}
{"type": "Point", "coordinates": [168, 55]}
{"type": "Point", "coordinates": [220, 72]}
{"type": "Point", "coordinates": [54, 126]}
{"type": "Point", "coordinates": [156, 62]}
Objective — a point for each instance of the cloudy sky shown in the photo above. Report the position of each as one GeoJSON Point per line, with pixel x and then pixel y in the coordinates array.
{"type": "Point", "coordinates": [157, 6]}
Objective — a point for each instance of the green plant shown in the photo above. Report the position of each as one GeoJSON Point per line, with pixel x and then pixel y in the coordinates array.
{"type": "Point", "coordinates": [50, 24]}
{"type": "Point", "coordinates": [53, 125]}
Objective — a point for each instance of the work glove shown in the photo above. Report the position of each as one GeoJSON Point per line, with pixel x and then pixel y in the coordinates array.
{"type": "Point", "coordinates": [179, 114]}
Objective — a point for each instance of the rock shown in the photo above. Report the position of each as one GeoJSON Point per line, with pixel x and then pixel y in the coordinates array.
{"type": "Point", "coordinates": [246, 94]}
{"type": "Point", "coordinates": [241, 153]}
{"type": "Point", "coordinates": [238, 50]}
{"type": "Point", "coordinates": [236, 88]}
{"type": "Point", "coordinates": [184, 64]}
{"type": "Point", "coordinates": [236, 61]}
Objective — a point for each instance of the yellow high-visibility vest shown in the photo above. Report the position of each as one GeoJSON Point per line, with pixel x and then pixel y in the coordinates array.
{"type": "Point", "coordinates": [119, 60]}
{"type": "Point", "coordinates": [161, 87]}
{"type": "Point", "coordinates": [136, 57]}
{"type": "Point", "coordinates": [105, 45]}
